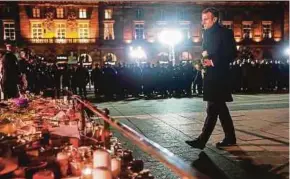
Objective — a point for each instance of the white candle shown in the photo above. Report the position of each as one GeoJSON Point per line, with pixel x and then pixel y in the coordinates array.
{"type": "Point", "coordinates": [65, 100]}
{"type": "Point", "coordinates": [102, 173]}
{"type": "Point", "coordinates": [102, 158]}
{"type": "Point", "coordinates": [116, 167]}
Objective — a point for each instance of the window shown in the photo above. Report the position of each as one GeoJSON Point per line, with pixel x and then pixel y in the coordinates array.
{"type": "Point", "coordinates": [60, 31]}
{"type": "Point", "coordinates": [59, 13]}
{"type": "Point", "coordinates": [139, 14]}
{"type": "Point", "coordinates": [267, 28]}
{"type": "Point", "coordinates": [83, 30]}
{"type": "Point", "coordinates": [83, 13]}
{"type": "Point", "coordinates": [139, 31]}
{"type": "Point", "coordinates": [108, 13]}
{"type": "Point", "coordinates": [9, 30]}
{"type": "Point", "coordinates": [36, 12]}
{"type": "Point", "coordinates": [247, 30]}
{"type": "Point", "coordinates": [7, 9]}
{"type": "Point", "coordinates": [37, 30]}
{"type": "Point", "coordinates": [228, 24]}
{"type": "Point", "coordinates": [181, 14]}
{"type": "Point", "coordinates": [162, 15]}
{"type": "Point", "coordinates": [109, 31]}
{"type": "Point", "coordinates": [185, 33]}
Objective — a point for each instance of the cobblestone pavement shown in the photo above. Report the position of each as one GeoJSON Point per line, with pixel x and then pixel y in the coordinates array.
{"type": "Point", "coordinates": [262, 129]}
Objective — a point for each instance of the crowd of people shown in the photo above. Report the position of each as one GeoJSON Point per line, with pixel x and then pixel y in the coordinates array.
{"type": "Point", "coordinates": [124, 80]}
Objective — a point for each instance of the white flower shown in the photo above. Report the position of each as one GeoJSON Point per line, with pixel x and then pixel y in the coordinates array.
{"type": "Point", "coordinates": [204, 54]}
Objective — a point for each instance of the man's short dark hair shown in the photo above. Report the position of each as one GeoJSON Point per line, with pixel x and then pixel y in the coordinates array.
{"type": "Point", "coordinates": [212, 10]}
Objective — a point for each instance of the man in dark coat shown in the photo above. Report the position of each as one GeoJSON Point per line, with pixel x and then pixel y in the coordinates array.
{"type": "Point", "coordinates": [219, 50]}
{"type": "Point", "coordinates": [10, 72]}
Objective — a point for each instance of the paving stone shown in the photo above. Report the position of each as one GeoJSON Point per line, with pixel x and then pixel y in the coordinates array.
{"type": "Point", "coordinates": [262, 130]}
{"type": "Point", "coordinates": [251, 148]}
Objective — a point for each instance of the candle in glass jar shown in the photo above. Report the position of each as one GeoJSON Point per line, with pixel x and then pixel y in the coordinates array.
{"type": "Point", "coordinates": [62, 160]}
{"type": "Point", "coordinates": [101, 158]}
{"type": "Point", "coordinates": [116, 167]}
{"type": "Point", "coordinates": [102, 173]}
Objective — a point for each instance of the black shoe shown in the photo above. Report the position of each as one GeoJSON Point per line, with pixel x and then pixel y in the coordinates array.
{"type": "Point", "coordinates": [196, 143]}
{"type": "Point", "coordinates": [226, 143]}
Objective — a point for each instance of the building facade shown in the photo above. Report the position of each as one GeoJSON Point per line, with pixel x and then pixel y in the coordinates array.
{"type": "Point", "coordinates": [110, 30]}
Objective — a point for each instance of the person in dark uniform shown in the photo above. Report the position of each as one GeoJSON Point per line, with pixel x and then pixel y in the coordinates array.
{"type": "Point", "coordinates": [219, 50]}
{"type": "Point", "coordinates": [82, 79]}
{"type": "Point", "coordinates": [10, 72]}
{"type": "Point", "coordinates": [96, 78]}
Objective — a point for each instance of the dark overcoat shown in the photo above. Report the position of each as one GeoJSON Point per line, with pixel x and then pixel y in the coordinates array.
{"type": "Point", "coordinates": [10, 78]}
{"type": "Point", "coordinates": [219, 42]}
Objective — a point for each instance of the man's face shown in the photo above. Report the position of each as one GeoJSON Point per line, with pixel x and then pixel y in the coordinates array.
{"type": "Point", "coordinates": [207, 20]}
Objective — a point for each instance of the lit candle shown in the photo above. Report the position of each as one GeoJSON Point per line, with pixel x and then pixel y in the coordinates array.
{"type": "Point", "coordinates": [102, 158]}
{"type": "Point", "coordinates": [86, 173]}
{"type": "Point", "coordinates": [62, 160]}
{"type": "Point", "coordinates": [102, 173]}
{"type": "Point", "coordinates": [116, 167]}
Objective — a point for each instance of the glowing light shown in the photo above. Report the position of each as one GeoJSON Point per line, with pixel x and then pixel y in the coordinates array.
{"type": "Point", "coordinates": [128, 41]}
{"type": "Point", "coordinates": [277, 39]}
{"type": "Point", "coordinates": [238, 39]}
{"type": "Point", "coordinates": [87, 171]}
{"type": "Point", "coordinates": [196, 39]}
{"type": "Point", "coordinates": [170, 37]}
{"type": "Point", "coordinates": [287, 51]}
{"type": "Point", "coordinates": [137, 53]}
{"type": "Point", "coordinates": [257, 39]}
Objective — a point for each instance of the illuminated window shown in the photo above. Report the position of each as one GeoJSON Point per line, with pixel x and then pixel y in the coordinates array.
{"type": "Point", "coordinates": [60, 31]}
{"type": "Point", "coordinates": [228, 24]}
{"type": "Point", "coordinates": [108, 13]}
{"type": "Point", "coordinates": [37, 30]}
{"type": "Point", "coordinates": [267, 28]}
{"type": "Point", "coordinates": [36, 12]}
{"type": "Point", "coordinates": [109, 31]}
{"type": "Point", "coordinates": [83, 30]}
{"type": "Point", "coordinates": [139, 14]}
{"type": "Point", "coordinates": [139, 31]}
{"type": "Point", "coordinates": [247, 30]}
{"type": "Point", "coordinates": [59, 13]}
{"type": "Point", "coordinates": [9, 30]}
{"type": "Point", "coordinates": [83, 13]}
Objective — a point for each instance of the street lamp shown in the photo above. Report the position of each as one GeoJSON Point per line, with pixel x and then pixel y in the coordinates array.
{"type": "Point", "coordinates": [170, 37]}
{"type": "Point", "coordinates": [137, 54]}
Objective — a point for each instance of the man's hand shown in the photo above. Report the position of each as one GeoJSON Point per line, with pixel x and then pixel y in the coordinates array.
{"type": "Point", "coordinates": [207, 63]}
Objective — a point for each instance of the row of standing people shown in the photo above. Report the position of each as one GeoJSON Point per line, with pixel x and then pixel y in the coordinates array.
{"type": "Point", "coordinates": [251, 76]}
{"type": "Point", "coordinates": [124, 80]}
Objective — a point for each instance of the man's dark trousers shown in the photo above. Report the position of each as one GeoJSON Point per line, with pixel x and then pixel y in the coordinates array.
{"type": "Point", "coordinates": [215, 110]}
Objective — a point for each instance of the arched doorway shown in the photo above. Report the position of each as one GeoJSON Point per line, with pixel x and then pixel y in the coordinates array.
{"type": "Point", "coordinates": [185, 56]}
{"type": "Point", "coordinates": [86, 59]}
{"type": "Point", "coordinates": [110, 58]}
{"type": "Point", "coordinates": [163, 57]}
